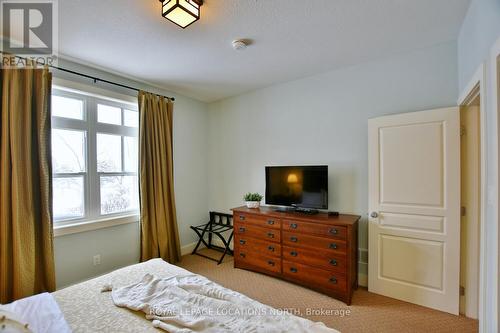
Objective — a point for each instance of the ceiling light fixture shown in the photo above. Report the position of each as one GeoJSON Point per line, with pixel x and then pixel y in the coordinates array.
{"type": "Point", "coordinates": [181, 12]}
{"type": "Point", "coordinates": [239, 44]}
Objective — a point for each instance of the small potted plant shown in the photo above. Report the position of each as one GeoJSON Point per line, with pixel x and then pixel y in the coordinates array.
{"type": "Point", "coordinates": [253, 200]}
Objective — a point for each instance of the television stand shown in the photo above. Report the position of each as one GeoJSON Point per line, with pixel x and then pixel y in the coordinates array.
{"type": "Point", "coordinates": [285, 209]}
{"type": "Point", "coordinates": [306, 211]}
{"type": "Point", "coordinates": [315, 251]}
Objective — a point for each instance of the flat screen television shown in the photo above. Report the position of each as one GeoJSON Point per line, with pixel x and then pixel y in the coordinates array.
{"type": "Point", "coordinates": [297, 186]}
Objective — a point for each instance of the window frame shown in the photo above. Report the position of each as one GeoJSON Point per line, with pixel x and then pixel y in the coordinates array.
{"type": "Point", "coordinates": [92, 178]}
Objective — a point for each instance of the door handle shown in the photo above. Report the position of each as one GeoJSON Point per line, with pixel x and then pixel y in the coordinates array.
{"type": "Point", "coordinates": [242, 242]}
{"type": "Point", "coordinates": [374, 215]}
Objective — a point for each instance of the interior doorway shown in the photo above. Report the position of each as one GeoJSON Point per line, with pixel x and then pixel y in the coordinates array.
{"type": "Point", "coordinates": [470, 160]}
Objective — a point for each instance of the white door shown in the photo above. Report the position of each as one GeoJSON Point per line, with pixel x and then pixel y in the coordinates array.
{"type": "Point", "coordinates": [414, 199]}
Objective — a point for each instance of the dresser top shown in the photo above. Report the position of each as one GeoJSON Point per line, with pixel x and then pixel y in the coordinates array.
{"type": "Point", "coordinates": [319, 218]}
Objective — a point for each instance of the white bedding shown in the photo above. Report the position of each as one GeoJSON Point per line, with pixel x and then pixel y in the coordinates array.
{"type": "Point", "coordinates": [40, 312]}
{"type": "Point", "coordinates": [87, 309]}
{"type": "Point", "coordinates": [192, 303]}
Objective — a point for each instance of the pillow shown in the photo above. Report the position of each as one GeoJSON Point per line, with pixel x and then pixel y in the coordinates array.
{"type": "Point", "coordinates": [12, 323]}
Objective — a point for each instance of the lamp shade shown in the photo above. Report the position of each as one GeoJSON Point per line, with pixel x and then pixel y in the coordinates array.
{"type": "Point", "coordinates": [292, 178]}
{"type": "Point", "coordinates": [181, 12]}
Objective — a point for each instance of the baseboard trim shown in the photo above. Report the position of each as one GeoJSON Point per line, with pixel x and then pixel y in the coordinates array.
{"type": "Point", "coordinates": [187, 249]}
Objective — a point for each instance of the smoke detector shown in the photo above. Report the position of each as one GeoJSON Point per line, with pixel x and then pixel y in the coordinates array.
{"type": "Point", "coordinates": [239, 44]}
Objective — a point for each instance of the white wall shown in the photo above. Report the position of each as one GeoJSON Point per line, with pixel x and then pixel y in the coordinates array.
{"type": "Point", "coordinates": [322, 120]}
{"type": "Point", "coordinates": [120, 246]}
{"type": "Point", "coordinates": [480, 30]}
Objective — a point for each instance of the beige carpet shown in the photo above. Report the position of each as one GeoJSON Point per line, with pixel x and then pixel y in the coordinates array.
{"type": "Point", "coordinates": [368, 312]}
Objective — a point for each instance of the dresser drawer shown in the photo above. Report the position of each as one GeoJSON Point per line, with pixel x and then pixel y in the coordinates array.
{"type": "Point", "coordinates": [261, 221]}
{"type": "Point", "coordinates": [326, 260]}
{"type": "Point", "coordinates": [249, 230]}
{"type": "Point", "coordinates": [249, 244]}
{"type": "Point", "coordinates": [315, 277]}
{"type": "Point", "coordinates": [338, 232]}
{"type": "Point", "coordinates": [314, 242]}
{"type": "Point", "coordinates": [271, 264]}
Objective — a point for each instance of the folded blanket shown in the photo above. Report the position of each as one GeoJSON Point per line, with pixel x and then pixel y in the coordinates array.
{"type": "Point", "coordinates": [192, 303]}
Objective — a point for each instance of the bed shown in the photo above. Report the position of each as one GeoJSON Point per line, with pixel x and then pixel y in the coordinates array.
{"type": "Point", "coordinates": [87, 308]}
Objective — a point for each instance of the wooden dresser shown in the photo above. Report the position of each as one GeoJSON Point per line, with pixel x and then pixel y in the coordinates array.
{"type": "Point", "coordinates": [315, 251]}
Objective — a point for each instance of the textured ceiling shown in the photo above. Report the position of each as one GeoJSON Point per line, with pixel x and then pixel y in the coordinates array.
{"type": "Point", "coordinates": [291, 39]}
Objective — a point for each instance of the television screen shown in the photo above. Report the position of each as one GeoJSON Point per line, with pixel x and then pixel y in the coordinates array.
{"type": "Point", "coordinates": [300, 186]}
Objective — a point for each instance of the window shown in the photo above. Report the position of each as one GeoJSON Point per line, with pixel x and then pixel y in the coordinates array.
{"type": "Point", "coordinates": [94, 157]}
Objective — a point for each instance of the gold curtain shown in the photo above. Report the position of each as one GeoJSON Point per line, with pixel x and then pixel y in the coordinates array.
{"type": "Point", "coordinates": [26, 235]}
{"type": "Point", "coordinates": [159, 232]}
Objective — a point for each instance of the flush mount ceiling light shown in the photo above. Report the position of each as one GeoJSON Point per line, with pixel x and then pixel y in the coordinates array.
{"type": "Point", "coordinates": [239, 44]}
{"type": "Point", "coordinates": [181, 12]}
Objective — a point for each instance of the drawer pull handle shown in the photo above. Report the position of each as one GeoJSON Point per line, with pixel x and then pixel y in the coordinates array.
{"type": "Point", "coordinates": [271, 263]}
{"type": "Point", "coordinates": [242, 217]}
{"type": "Point", "coordinates": [293, 254]}
{"type": "Point", "coordinates": [242, 242]}
{"type": "Point", "coordinates": [333, 246]}
{"type": "Point", "coordinates": [270, 248]}
{"type": "Point", "coordinates": [242, 255]}
{"type": "Point", "coordinates": [294, 239]}
{"type": "Point", "coordinates": [270, 222]}
{"type": "Point", "coordinates": [293, 270]}
{"type": "Point", "coordinates": [333, 262]}
{"type": "Point", "coordinates": [270, 235]}
{"type": "Point", "coordinates": [333, 280]}
{"type": "Point", "coordinates": [242, 229]}
{"type": "Point", "coordinates": [293, 226]}
{"type": "Point", "coordinates": [334, 231]}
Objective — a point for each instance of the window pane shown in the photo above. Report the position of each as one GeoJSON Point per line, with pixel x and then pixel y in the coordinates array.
{"type": "Point", "coordinates": [67, 107]}
{"type": "Point", "coordinates": [68, 198]}
{"type": "Point", "coordinates": [131, 154]}
{"type": "Point", "coordinates": [119, 194]}
{"type": "Point", "coordinates": [109, 114]}
{"type": "Point", "coordinates": [68, 151]}
{"type": "Point", "coordinates": [131, 118]}
{"type": "Point", "coordinates": [109, 153]}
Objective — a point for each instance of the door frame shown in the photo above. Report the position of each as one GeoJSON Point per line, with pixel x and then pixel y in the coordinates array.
{"type": "Point", "coordinates": [475, 87]}
{"type": "Point", "coordinates": [494, 74]}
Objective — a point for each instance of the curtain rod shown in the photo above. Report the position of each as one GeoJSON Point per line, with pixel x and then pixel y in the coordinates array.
{"type": "Point", "coordinates": [94, 78]}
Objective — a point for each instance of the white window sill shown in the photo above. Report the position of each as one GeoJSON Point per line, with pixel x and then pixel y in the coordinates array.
{"type": "Point", "coordinates": [73, 228]}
